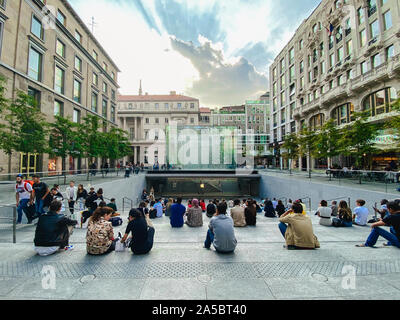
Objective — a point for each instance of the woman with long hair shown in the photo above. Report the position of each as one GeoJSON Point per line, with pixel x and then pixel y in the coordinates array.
{"type": "Point", "coordinates": [100, 235]}
{"type": "Point", "coordinates": [251, 213]}
{"type": "Point", "coordinates": [194, 215]}
{"type": "Point", "coordinates": [142, 235]}
{"type": "Point", "coordinates": [81, 197]}
{"type": "Point", "coordinates": [269, 209]}
{"type": "Point", "coordinates": [168, 207]}
{"type": "Point", "coordinates": [345, 216]}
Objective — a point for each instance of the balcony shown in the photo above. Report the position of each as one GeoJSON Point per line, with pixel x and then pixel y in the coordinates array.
{"type": "Point", "coordinates": [334, 95]}
{"type": "Point", "coordinates": [383, 72]}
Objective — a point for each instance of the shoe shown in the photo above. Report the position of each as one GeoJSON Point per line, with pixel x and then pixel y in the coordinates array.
{"type": "Point", "coordinates": [69, 248]}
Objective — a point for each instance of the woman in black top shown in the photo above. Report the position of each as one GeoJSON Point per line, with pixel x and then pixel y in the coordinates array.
{"type": "Point", "coordinates": [142, 235]}
{"type": "Point", "coordinates": [280, 208]}
{"type": "Point", "coordinates": [251, 213]}
{"type": "Point", "coordinates": [81, 197]}
{"type": "Point", "coordinates": [269, 209]}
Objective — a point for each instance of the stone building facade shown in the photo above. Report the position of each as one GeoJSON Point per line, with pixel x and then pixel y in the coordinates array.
{"type": "Point", "coordinates": [344, 58]}
{"type": "Point", "coordinates": [146, 118]}
{"type": "Point", "coordinates": [48, 52]}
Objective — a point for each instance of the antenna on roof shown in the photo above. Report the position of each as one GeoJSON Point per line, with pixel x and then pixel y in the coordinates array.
{"type": "Point", "coordinates": [92, 24]}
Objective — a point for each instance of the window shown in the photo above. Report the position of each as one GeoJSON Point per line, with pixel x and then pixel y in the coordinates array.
{"type": "Point", "coordinates": [291, 56]}
{"type": "Point", "coordinates": [94, 102]}
{"type": "Point", "coordinates": [95, 55]}
{"type": "Point", "coordinates": [317, 121]}
{"type": "Point", "coordinates": [113, 114]}
{"type": "Point", "coordinates": [387, 20]}
{"type": "Point", "coordinates": [331, 60]}
{"type": "Point", "coordinates": [112, 94]}
{"type": "Point", "coordinates": [361, 16]}
{"type": "Point", "coordinates": [282, 82]}
{"type": "Point", "coordinates": [282, 65]}
{"type": "Point", "coordinates": [104, 109]}
{"type": "Point", "coordinates": [59, 80]}
{"type": "Point", "coordinates": [376, 60]}
{"type": "Point", "coordinates": [61, 18]}
{"type": "Point", "coordinates": [364, 67]}
{"type": "Point", "coordinates": [291, 74]}
{"type": "Point", "coordinates": [192, 106]}
{"type": "Point", "coordinates": [301, 66]}
{"type": "Point", "coordinates": [113, 75]}
{"type": "Point", "coordinates": [323, 67]}
{"type": "Point", "coordinates": [343, 114]}
{"type": "Point", "coordinates": [301, 44]}
{"type": "Point", "coordinates": [389, 52]}
{"type": "Point", "coordinates": [78, 37]}
{"type": "Point", "coordinates": [78, 64]}
{"type": "Point", "coordinates": [35, 64]}
{"type": "Point", "coordinates": [349, 47]}
{"type": "Point", "coordinates": [76, 117]}
{"type": "Point", "coordinates": [105, 88]}
{"type": "Point", "coordinates": [58, 108]}
{"type": "Point", "coordinates": [340, 54]}
{"type": "Point", "coordinates": [77, 91]}
{"type": "Point", "coordinates": [274, 74]}
{"type": "Point", "coordinates": [374, 28]}
{"type": "Point", "coordinates": [179, 105]}
{"type": "Point", "coordinates": [380, 102]}
{"type": "Point", "coordinates": [363, 38]}
{"type": "Point", "coordinates": [95, 79]}
{"type": "Point", "coordinates": [35, 95]}
{"type": "Point", "coordinates": [60, 48]}
{"type": "Point", "coordinates": [105, 66]}
{"type": "Point", "coordinates": [37, 28]}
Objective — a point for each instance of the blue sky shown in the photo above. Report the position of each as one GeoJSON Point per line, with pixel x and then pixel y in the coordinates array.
{"type": "Point", "coordinates": [218, 51]}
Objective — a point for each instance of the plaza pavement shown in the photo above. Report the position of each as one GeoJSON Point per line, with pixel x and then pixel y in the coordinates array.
{"type": "Point", "coordinates": [179, 267]}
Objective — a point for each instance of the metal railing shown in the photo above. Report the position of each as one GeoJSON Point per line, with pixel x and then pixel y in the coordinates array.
{"type": "Point", "coordinates": [126, 200]}
{"type": "Point", "coordinates": [341, 198]}
{"type": "Point", "coordinates": [384, 180]}
{"type": "Point", "coordinates": [13, 220]}
{"type": "Point", "coordinates": [309, 200]}
{"type": "Point", "coordinates": [63, 177]}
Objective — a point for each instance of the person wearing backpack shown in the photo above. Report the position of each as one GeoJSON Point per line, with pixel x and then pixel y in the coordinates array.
{"type": "Point", "coordinates": [23, 191]}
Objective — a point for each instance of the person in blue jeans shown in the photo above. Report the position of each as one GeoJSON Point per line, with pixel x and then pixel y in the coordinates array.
{"type": "Point", "coordinates": [177, 213]}
{"type": "Point", "coordinates": [393, 221]}
{"type": "Point", "coordinates": [23, 197]}
{"type": "Point", "coordinates": [40, 192]}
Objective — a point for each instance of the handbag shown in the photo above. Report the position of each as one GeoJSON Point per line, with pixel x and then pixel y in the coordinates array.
{"type": "Point", "coordinates": [119, 246]}
{"type": "Point", "coordinates": [116, 221]}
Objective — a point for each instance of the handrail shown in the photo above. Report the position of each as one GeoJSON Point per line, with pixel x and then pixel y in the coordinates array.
{"type": "Point", "coordinates": [14, 221]}
{"type": "Point", "coordinates": [341, 198]}
{"type": "Point", "coordinates": [123, 203]}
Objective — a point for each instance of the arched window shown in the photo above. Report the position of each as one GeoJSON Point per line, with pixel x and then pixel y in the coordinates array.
{"type": "Point", "coordinates": [317, 121]}
{"type": "Point", "coordinates": [380, 102]}
{"type": "Point", "coordinates": [343, 114]}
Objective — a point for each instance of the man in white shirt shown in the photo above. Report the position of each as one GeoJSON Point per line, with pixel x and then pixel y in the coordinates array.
{"type": "Point", "coordinates": [361, 213]}
{"type": "Point", "coordinates": [72, 193]}
{"type": "Point", "coordinates": [23, 191]}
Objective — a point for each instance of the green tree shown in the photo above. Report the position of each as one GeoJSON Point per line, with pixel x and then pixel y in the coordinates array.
{"type": "Point", "coordinates": [394, 123]}
{"type": "Point", "coordinates": [117, 144]}
{"type": "Point", "coordinates": [358, 138]}
{"type": "Point", "coordinates": [307, 139]}
{"type": "Point", "coordinates": [25, 127]}
{"type": "Point", "coordinates": [328, 141]}
{"type": "Point", "coordinates": [89, 140]}
{"type": "Point", "coordinates": [62, 139]}
{"type": "Point", "coordinates": [291, 148]}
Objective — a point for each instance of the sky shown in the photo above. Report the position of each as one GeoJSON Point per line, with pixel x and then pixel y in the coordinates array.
{"type": "Point", "coordinates": [217, 51]}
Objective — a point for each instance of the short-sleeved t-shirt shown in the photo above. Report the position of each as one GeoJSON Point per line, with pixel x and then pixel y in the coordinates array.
{"type": "Point", "coordinates": [361, 215]}
{"type": "Point", "coordinates": [139, 230]}
{"type": "Point", "coordinates": [393, 220]}
{"type": "Point", "coordinates": [40, 189]}
{"type": "Point", "coordinates": [24, 189]}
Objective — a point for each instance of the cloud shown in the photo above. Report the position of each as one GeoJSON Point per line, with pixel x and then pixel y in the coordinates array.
{"type": "Point", "coordinates": [221, 81]}
{"type": "Point", "coordinates": [220, 49]}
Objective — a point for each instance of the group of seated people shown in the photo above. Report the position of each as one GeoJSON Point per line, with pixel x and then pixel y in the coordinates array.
{"type": "Point", "coordinates": [54, 229]}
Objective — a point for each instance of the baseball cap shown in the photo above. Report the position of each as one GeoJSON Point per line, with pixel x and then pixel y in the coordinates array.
{"type": "Point", "coordinates": [20, 176]}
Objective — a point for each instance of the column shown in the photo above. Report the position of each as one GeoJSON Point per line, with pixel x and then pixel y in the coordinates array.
{"type": "Point", "coordinates": [136, 130]}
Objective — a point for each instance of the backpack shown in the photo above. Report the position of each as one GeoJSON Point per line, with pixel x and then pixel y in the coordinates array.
{"type": "Point", "coordinates": [153, 214]}
{"type": "Point", "coordinates": [116, 221]}
{"type": "Point", "coordinates": [25, 184]}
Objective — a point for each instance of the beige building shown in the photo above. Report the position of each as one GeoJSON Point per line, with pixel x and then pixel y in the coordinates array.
{"type": "Point", "coordinates": [50, 54]}
{"type": "Point", "coordinates": [344, 58]}
{"type": "Point", "coordinates": [146, 118]}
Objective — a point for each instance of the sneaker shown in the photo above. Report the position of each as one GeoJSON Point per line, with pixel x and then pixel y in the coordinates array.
{"type": "Point", "coordinates": [69, 248]}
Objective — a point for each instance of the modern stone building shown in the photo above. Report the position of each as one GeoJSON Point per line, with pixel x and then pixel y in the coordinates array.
{"type": "Point", "coordinates": [50, 54]}
{"type": "Point", "coordinates": [344, 58]}
{"type": "Point", "coordinates": [146, 118]}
